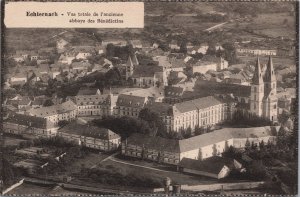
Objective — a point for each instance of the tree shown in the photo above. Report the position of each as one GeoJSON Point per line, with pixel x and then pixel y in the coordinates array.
{"type": "Point", "coordinates": [153, 119]}
{"type": "Point", "coordinates": [256, 170]}
{"type": "Point", "coordinates": [253, 146]}
{"type": "Point", "coordinates": [247, 145]}
{"type": "Point", "coordinates": [62, 123]}
{"type": "Point", "coordinates": [211, 50]}
{"type": "Point", "coordinates": [261, 145]}
{"type": "Point", "coordinates": [183, 48]}
{"type": "Point", "coordinates": [48, 102]}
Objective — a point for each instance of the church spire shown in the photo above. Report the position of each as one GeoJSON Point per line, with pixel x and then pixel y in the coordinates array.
{"type": "Point", "coordinates": [270, 76]}
{"type": "Point", "coordinates": [257, 77]}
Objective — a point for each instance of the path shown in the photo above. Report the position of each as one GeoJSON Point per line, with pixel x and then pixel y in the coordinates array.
{"type": "Point", "coordinates": [106, 158]}
{"type": "Point", "coordinates": [215, 26]}
{"type": "Point", "coordinates": [140, 166]}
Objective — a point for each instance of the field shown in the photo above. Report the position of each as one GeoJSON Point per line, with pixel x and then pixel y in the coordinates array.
{"type": "Point", "coordinates": [144, 169]}
{"type": "Point", "coordinates": [31, 189]}
{"type": "Point", "coordinates": [88, 161]}
{"type": "Point", "coordinates": [9, 141]}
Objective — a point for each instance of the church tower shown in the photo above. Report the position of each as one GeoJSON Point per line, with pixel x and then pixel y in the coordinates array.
{"type": "Point", "coordinates": [132, 62]}
{"type": "Point", "coordinates": [257, 91]}
{"type": "Point", "coordinates": [270, 100]}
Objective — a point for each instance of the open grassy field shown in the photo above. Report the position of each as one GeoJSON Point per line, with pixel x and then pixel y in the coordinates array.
{"type": "Point", "coordinates": [31, 189]}
{"type": "Point", "coordinates": [142, 172]}
{"type": "Point", "coordinates": [10, 141]}
{"type": "Point", "coordinates": [88, 161]}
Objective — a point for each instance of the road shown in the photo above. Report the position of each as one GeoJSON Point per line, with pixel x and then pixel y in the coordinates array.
{"type": "Point", "coordinates": [140, 166]}
{"type": "Point", "coordinates": [89, 189]}
{"type": "Point", "coordinates": [106, 158]}
{"type": "Point", "coordinates": [215, 27]}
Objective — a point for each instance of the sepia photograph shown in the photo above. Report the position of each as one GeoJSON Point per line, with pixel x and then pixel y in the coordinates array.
{"type": "Point", "coordinates": [149, 98]}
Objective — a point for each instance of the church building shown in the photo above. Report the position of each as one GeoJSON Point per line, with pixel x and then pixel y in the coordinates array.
{"type": "Point", "coordinates": [263, 99]}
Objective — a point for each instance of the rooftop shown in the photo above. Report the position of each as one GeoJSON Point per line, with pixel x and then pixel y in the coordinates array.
{"type": "Point", "coordinates": [131, 101]}
{"type": "Point", "coordinates": [30, 121]}
{"type": "Point", "coordinates": [88, 91]}
{"type": "Point", "coordinates": [89, 131]}
{"type": "Point", "coordinates": [146, 71]}
{"type": "Point", "coordinates": [53, 110]}
{"type": "Point", "coordinates": [155, 143]}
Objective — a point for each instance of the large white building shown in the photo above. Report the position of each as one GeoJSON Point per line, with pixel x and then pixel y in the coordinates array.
{"type": "Point", "coordinates": [91, 136]}
{"type": "Point", "coordinates": [201, 112]}
{"type": "Point", "coordinates": [200, 147]}
{"type": "Point", "coordinates": [65, 111]}
{"type": "Point", "coordinates": [95, 105]}
{"type": "Point", "coordinates": [29, 126]}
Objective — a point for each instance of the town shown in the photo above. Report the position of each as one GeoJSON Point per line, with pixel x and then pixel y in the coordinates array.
{"type": "Point", "coordinates": [155, 110]}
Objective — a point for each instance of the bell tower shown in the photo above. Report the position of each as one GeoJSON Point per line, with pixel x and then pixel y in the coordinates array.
{"type": "Point", "coordinates": [257, 91]}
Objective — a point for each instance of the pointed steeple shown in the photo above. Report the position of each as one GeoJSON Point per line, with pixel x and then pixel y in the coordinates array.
{"type": "Point", "coordinates": [270, 75]}
{"type": "Point", "coordinates": [129, 61]}
{"type": "Point", "coordinates": [257, 76]}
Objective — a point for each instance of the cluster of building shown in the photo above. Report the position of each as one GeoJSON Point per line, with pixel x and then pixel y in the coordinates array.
{"type": "Point", "coordinates": [161, 84]}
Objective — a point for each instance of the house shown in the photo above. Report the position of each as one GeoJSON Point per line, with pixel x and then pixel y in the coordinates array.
{"type": "Point", "coordinates": [152, 148]}
{"type": "Point", "coordinates": [201, 147]}
{"type": "Point", "coordinates": [176, 77]}
{"type": "Point", "coordinates": [80, 66]}
{"type": "Point", "coordinates": [187, 58]}
{"type": "Point", "coordinates": [237, 79]}
{"type": "Point", "coordinates": [95, 104]}
{"type": "Point", "coordinates": [129, 105]}
{"type": "Point", "coordinates": [203, 48]}
{"type": "Point", "coordinates": [33, 56]}
{"type": "Point", "coordinates": [88, 91]}
{"type": "Point", "coordinates": [82, 52]}
{"type": "Point", "coordinates": [90, 136]}
{"type": "Point", "coordinates": [20, 103]}
{"type": "Point", "coordinates": [66, 59]}
{"type": "Point", "coordinates": [101, 49]}
{"type": "Point", "coordinates": [149, 75]}
{"type": "Point", "coordinates": [154, 94]}
{"type": "Point", "coordinates": [18, 78]}
{"type": "Point", "coordinates": [177, 65]}
{"type": "Point", "coordinates": [214, 167]}
{"type": "Point", "coordinates": [61, 44]}
{"type": "Point", "coordinates": [29, 126]}
{"type": "Point", "coordinates": [256, 51]}
{"type": "Point", "coordinates": [155, 45]}
{"type": "Point", "coordinates": [187, 85]}
{"type": "Point", "coordinates": [203, 66]}
{"type": "Point", "coordinates": [164, 62]}
{"type": "Point", "coordinates": [173, 94]}
{"type": "Point", "coordinates": [116, 42]}
{"type": "Point", "coordinates": [174, 45]}
{"type": "Point", "coordinates": [55, 113]}
{"type": "Point", "coordinates": [38, 102]}
{"type": "Point", "coordinates": [220, 61]}
{"type": "Point", "coordinates": [136, 44]}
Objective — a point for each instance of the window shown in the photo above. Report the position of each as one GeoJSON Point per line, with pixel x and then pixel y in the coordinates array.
{"type": "Point", "coordinates": [275, 106]}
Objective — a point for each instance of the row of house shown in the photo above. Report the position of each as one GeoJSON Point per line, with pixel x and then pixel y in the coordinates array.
{"type": "Point", "coordinates": [83, 135]}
